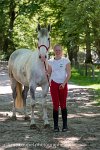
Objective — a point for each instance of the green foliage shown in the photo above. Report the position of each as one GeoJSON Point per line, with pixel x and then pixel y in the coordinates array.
{"type": "Point", "coordinates": [69, 19]}
{"type": "Point", "coordinates": [23, 33]}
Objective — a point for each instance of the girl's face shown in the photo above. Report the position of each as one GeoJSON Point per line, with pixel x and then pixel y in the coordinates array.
{"type": "Point", "coordinates": [58, 51]}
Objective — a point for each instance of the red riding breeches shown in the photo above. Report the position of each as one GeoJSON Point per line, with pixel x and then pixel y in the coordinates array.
{"type": "Point", "coordinates": [58, 95]}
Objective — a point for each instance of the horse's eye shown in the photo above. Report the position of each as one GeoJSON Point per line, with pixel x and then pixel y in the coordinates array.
{"type": "Point", "coordinates": [38, 39]}
{"type": "Point", "coordinates": [40, 56]}
{"type": "Point", "coordinates": [48, 39]}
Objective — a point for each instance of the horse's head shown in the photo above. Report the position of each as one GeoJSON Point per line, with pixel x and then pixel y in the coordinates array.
{"type": "Point", "coordinates": [43, 42]}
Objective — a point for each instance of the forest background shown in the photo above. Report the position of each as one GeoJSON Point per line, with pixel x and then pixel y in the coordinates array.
{"type": "Point", "coordinates": [75, 24]}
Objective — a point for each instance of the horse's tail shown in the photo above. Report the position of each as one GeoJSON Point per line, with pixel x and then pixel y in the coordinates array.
{"type": "Point", "coordinates": [19, 99]}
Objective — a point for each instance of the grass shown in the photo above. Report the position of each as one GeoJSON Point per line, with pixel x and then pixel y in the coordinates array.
{"type": "Point", "coordinates": [89, 81]}
{"type": "Point", "coordinates": [86, 80]}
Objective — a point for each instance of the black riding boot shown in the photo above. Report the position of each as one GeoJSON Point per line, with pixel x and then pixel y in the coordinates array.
{"type": "Point", "coordinates": [55, 118]}
{"type": "Point", "coordinates": [64, 118]}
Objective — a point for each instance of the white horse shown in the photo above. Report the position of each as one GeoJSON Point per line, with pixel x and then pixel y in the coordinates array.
{"type": "Point", "coordinates": [27, 69]}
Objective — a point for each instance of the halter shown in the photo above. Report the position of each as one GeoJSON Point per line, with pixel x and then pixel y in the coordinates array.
{"type": "Point", "coordinates": [42, 46]}
{"type": "Point", "coordinates": [47, 48]}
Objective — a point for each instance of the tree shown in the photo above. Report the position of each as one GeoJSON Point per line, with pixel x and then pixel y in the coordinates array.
{"type": "Point", "coordinates": [11, 10]}
{"type": "Point", "coordinates": [96, 27]}
{"type": "Point", "coordinates": [75, 24]}
{"type": "Point", "coordinates": [12, 15]}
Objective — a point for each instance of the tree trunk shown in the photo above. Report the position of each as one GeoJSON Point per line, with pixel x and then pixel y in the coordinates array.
{"type": "Point", "coordinates": [75, 54]}
{"type": "Point", "coordinates": [96, 25]}
{"type": "Point", "coordinates": [70, 53]}
{"type": "Point", "coordinates": [8, 39]}
{"type": "Point", "coordinates": [97, 45]}
{"type": "Point", "coordinates": [73, 47]}
{"type": "Point", "coordinates": [88, 44]}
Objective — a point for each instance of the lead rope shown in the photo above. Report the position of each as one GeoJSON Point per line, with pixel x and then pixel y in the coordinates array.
{"type": "Point", "coordinates": [46, 71]}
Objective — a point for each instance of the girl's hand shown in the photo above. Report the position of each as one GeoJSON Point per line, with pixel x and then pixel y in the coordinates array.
{"type": "Point", "coordinates": [62, 86]}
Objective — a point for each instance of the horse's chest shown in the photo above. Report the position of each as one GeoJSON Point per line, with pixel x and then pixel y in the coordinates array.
{"type": "Point", "coordinates": [40, 78]}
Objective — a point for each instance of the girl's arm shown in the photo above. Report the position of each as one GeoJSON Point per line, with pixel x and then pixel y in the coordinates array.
{"type": "Point", "coordinates": [68, 70]}
{"type": "Point", "coordinates": [49, 70]}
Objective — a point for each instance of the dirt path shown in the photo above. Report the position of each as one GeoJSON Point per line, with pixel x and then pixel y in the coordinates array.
{"type": "Point", "coordinates": [83, 122]}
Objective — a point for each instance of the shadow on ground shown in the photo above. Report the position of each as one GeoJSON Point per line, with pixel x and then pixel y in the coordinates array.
{"type": "Point", "coordinates": [83, 122]}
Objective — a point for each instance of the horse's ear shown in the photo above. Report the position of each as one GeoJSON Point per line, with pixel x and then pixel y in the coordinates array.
{"type": "Point", "coordinates": [38, 27]}
{"type": "Point", "coordinates": [49, 27]}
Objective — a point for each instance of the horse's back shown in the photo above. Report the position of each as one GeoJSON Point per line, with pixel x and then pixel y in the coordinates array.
{"type": "Point", "coordinates": [17, 63]}
{"type": "Point", "coordinates": [19, 54]}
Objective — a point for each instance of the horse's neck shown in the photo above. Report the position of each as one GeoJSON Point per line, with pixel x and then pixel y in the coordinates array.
{"type": "Point", "coordinates": [37, 61]}
{"type": "Point", "coordinates": [42, 65]}
{"type": "Point", "coordinates": [35, 55]}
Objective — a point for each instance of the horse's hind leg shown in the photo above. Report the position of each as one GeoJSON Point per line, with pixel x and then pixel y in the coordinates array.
{"type": "Point", "coordinates": [24, 95]}
{"type": "Point", "coordinates": [14, 95]}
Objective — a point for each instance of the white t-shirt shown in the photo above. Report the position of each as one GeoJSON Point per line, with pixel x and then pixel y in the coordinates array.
{"type": "Point", "coordinates": [59, 73]}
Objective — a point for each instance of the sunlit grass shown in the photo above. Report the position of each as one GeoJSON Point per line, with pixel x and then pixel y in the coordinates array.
{"type": "Point", "coordinates": [83, 80]}
{"type": "Point", "coordinates": [88, 81]}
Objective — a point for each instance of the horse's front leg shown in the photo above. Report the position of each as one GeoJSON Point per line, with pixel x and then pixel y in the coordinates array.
{"type": "Point", "coordinates": [32, 93]}
{"type": "Point", "coordinates": [44, 105]}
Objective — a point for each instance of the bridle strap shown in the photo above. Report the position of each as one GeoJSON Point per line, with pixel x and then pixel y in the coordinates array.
{"type": "Point", "coordinates": [46, 71]}
{"type": "Point", "coordinates": [47, 48]}
{"type": "Point", "coordinates": [43, 46]}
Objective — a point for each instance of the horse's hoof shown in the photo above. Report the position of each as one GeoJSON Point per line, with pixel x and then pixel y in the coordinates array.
{"type": "Point", "coordinates": [26, 118]}
{"type": "Point", "coordinates": [13, 118]}
{"type": "Point", "coordinates": [33, 126]}
{"type": "Point", "coordinates": [47, 126]}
